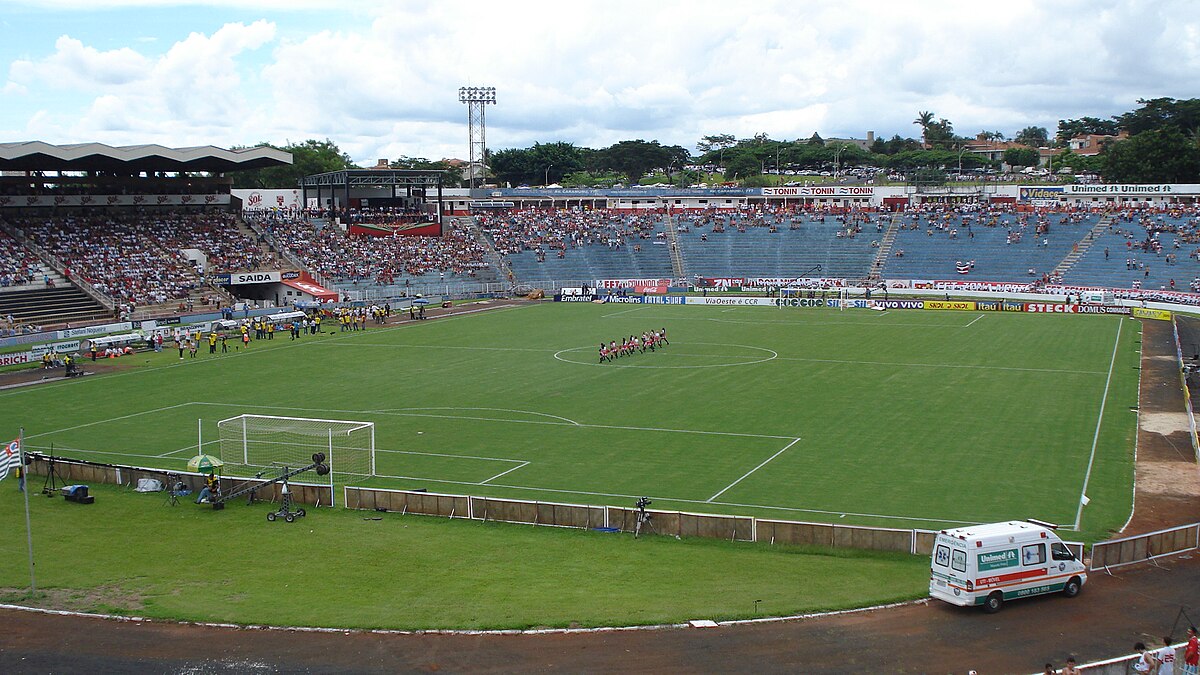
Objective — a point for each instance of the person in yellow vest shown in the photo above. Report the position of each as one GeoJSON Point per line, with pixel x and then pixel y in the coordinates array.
{"type": "Point", "coordinates": [271, 330]}
{"type": "Point", "coordinates": [212, 342]}
{"type": "Point", "coordinates": [317, 323]}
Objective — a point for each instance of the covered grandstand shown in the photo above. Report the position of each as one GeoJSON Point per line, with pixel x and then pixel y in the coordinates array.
{"type": "Point", "coordinates": [98, 231]}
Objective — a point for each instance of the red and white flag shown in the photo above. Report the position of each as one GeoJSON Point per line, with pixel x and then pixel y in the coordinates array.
{"type": "Point", "coordinates": [10, 458]}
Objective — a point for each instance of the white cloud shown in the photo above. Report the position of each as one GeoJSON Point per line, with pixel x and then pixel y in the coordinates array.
{"type": "Point", "coordinates": [74, 65]}
{"type": "Point", "coordinates": [385, 84]}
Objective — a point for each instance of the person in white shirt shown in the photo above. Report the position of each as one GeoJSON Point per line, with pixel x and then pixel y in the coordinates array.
{"type": "Point", "coordinates": [1145, 662]}
{"type": "Point", "coordinates": [1166, 658]}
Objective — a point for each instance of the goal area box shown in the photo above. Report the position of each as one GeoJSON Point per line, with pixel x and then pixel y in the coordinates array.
{"type": "Point", "coordinates": [250, 443]}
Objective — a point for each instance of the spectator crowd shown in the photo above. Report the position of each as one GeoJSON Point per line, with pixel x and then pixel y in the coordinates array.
{"type": "Point", "coordinates": [139, 259]}
{"type": "Point", "coordinates": [327, 250]}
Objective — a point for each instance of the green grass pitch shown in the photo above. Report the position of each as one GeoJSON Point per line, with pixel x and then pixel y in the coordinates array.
{"type": "Point", "coordinates": [901, 419]}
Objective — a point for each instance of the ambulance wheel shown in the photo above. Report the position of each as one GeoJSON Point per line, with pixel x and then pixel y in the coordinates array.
{"type": "Point", "coordinates": [1072, 588]}
{"type": "Point", "coordinates": [994, 602]}
{"type": "Point", "coordinates": [270, 517]}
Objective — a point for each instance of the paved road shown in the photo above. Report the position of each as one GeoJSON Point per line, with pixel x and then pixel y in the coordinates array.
{"type": "Point", "coordinates": [1104, 621]}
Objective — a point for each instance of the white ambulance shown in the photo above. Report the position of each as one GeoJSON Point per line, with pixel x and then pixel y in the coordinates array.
{"type": "Point", "coordinates": [988, 564]}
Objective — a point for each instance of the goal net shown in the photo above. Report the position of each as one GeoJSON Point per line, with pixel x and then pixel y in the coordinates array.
{"type": "Point", "coordinates": [252, 442]}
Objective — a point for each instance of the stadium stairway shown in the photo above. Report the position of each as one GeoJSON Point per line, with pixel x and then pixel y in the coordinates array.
{"type": "Point", "coordinates": [63, 302]}
{"type": "Point", "coordinates": [494, 260]}
{"type": "Point", "coordinates": [885, 246]}
{"type": "Point", "coordinates": [1079, 251]}
{"type": "Point", "coordinates": [51, 305]}
{"type": "Point", "coordinates": [677, 266]}
{"type": "Point", "coordinates": [931, 253]}
{"type": "Point", "coordinates": [1115, 260]}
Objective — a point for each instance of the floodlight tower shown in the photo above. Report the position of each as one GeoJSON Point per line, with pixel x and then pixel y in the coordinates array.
{"type": "Point", "coordinates": [476, 98]}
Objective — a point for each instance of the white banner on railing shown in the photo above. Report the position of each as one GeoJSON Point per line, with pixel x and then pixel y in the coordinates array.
{"type": "Point", "coordinates": [95, 330]}
{"type": "Point", "coordinates": [736, 300]}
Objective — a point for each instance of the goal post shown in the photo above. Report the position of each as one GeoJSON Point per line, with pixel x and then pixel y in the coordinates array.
{"type": "Point", "coordinates": [250, 443]}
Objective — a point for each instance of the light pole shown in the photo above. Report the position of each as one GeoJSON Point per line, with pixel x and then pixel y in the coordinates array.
{"type": "Point", "coordinates": [960, 154]}
{"type": "Point", "coordinates": [476, 98]}
{"type": "Point", "coordinates": [546, 177]}
{"type": "Point", "coordinates": [837, 159]}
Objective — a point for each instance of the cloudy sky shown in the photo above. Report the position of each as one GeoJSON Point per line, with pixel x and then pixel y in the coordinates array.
{"type": "Point", "coordinates": [381, 79]}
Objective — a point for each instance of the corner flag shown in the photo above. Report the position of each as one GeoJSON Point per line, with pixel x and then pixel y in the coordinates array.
{"type": "Point", "coordinates": [10, 458]}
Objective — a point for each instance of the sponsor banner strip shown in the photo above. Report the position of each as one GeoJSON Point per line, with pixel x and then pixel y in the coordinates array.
{"type": "Point", "coordinates": [1049, 308]}
{"type": "Point", "coordinates": [630, 283]}
{"type": "Point", "coordinates": [958, 305]}
{"type": "Point", "coordinates": [1157, 314]}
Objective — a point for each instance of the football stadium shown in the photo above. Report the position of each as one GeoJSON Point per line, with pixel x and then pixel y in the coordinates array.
{"type": "Point", "coordinates": [648, 384]}
{"type": "Point", "coordinates": [629, 409]}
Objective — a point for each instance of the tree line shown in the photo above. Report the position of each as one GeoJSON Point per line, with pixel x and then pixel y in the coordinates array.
{"type": "Point", "coordinates": [1160, 143]}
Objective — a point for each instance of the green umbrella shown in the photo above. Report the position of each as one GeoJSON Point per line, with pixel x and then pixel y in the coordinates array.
{"type": "Point", "coordinates": [204, 463]}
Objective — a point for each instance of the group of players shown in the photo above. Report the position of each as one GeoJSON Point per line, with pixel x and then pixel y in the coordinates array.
{"type": "Point", "coordinates": [633, 344]}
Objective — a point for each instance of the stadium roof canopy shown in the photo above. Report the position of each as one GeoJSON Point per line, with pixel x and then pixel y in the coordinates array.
{"type": "Point", "coordinates": [348, 178]}
{"type": "Point", "coordinates": [39, 156]}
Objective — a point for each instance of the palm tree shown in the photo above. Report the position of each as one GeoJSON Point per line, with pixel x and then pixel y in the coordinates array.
{"type": "Point", "coordinates": [924, 119]}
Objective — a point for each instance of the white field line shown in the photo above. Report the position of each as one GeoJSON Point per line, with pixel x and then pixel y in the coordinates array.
{"type": "Point", "coordinates": [788, 509]}
{"type": "Point", "coordinates": [386, 631]}
{"type": "Point", "coordinates": [624, 311]}
{"type": "Point", "coordinates": [60, 448]}
{"type": "Point", "coordinates": [944, 365]}
{"type": "Point", "coordinates": [1137, 427]}
{"type": "Point", "coordinates": [495, 419]}
{"type": "Point", "coordinates": [1099, 420]}
{"type": "Point", "coordinates": [781, 358]}
{"type": "Point", "coordinates": [747, 474]}
{"type": "Point", "coordinates": [110, 419]}
{"type": "Point", "coordinates": [511, 410]}
{"type": "Point", "coordinates": [668, 317]}
{"type": "Point", "coordinates": [287, 344]}
{"type": "Point", "coordinates": [520, 466]}
{"type": "Point", "coordinates": [480, 349]}
{"type": "Point", "coordinates": [973, 322]}
{"type": "Point", "coordinates": [184, 449]}
{"type": "Point", "coordinates": [442, 454]}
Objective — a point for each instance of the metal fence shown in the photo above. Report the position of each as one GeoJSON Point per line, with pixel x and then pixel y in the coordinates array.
{"type": "Point", "coordinates": [1145, 547]}
{"type": "Point", "coordinates": [622, 519]}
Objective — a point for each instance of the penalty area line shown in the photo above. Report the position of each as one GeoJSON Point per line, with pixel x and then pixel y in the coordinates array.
{"type": "Point", "coordinates": [789, 509]}
{"type": "Point", "coordinates": [502, 473]}
{"type": "Point", "coordinates": [747, 474]}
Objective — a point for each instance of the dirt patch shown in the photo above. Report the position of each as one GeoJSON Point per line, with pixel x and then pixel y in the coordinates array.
{"type": "Point", "coordinates": [1164, 423]}
{"type": "Point", "coordinates": [1168, 478]}
{"type": "Point", "coordinates": [1173, 479]}
{"type": "Point", "coordinates": [108, 599]}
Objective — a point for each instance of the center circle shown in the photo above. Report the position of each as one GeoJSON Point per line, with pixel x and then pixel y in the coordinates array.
{"type": "Point", "coordinates": [749, 356]}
